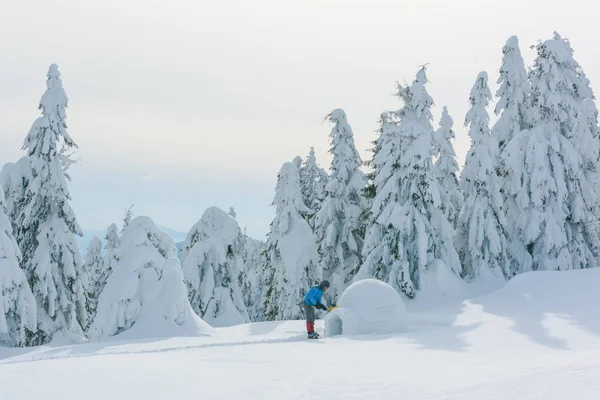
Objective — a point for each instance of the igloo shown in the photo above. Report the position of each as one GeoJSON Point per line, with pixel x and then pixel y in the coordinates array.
{"type": "Point", "coordinates": [368, 306]}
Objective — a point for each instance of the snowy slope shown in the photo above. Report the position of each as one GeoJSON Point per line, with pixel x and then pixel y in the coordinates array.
{"type": "Point", "coordinates": [528, 340]}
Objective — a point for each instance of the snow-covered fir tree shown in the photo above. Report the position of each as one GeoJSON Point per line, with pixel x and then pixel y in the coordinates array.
{"type": "Point", "coordinates": [481, 238]}
{"type": "Point", "coordinates": [513, 101]}
{"type": "Point", "coordinates": [147, 282]}
{"type": "Point", "coordinates": [409, 237]}
{"type": "Point", "coordinates": [338, 225]}
{"type": "Point", "coordinates": [95, 267]}
{"type": "Point", "coordinates": [290, 261]}
{"type": "Point", "coordinates": [213, 265]}
{"type": "Point", "coordinates": [550, 204]}
{"type": "Point", "coordinates": [313, 180]}
{"type": "Point", "coordinates": [446, 169]}
{"type": "Point", "coordinates": [18, 316]}
{"type": "Point", "coordinates": [47, 225]}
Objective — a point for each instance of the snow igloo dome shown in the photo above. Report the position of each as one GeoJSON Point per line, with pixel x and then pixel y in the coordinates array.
{"type": "Point", "coordinates": [368, 306]}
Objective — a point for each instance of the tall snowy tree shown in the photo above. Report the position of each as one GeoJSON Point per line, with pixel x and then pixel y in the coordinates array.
{"type": "Point", "coordinates": [147, 282]}
{"type": "Point", "coordinates": [338, 226]}
{"type": "Point", "coordinates": [17, 304]}
{"type": "Point", "coordinates": [549, 201]}
{"type": "Point", "coordinates": [481, 238]}
{"type": "Point", "coordinates": [446, 169]}
{"type": "Point", "coordinates": [213, 264]}
{"type": "Point", "coordinates": [313, 180]}
{"type": "Point", "coordinates": [95, 266]}
{"type": "Point", "coordinates": [290, 257]}
{"type": "Point", "coordinates": [512, 105]}
{"type": "Point", "coordinates": [410, 237]}
{"type": "Point", "coordinates": [47, 225]}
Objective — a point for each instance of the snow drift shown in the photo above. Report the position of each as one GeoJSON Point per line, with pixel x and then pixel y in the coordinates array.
{"type": "Point", "coordinates": [367, 306]}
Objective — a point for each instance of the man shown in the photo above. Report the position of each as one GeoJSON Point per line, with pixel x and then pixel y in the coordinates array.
{"type": "Point", "coordinates": [312, 300]}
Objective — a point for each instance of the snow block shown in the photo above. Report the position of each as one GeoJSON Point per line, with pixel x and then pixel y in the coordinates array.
{"type": "Point", "coordinates": [368, 306]}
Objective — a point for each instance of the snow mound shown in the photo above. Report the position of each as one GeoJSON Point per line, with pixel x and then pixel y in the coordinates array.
{"type": "Point", "coordinates": [145, 296]}
{"type": "Point", "coordinates": [368, 306]}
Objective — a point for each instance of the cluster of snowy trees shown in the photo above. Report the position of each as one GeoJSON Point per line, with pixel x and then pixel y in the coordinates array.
{"type": "Point", "coordinates": [526, 200]}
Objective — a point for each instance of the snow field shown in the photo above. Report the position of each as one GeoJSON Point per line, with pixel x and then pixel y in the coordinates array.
{"type": "Point", "coordinates": [520, 342]}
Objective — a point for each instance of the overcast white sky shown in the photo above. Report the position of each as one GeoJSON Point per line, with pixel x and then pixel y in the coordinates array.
{"type": "Point", "coordinates": [180, 105]}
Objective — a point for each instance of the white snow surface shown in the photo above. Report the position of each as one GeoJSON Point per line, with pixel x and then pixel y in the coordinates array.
{"type": "Point", "coordinates": [367, 306]}
{"type": "Point", "coordinates": [538, 337]}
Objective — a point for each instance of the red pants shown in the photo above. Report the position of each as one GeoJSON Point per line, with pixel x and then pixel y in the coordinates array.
{"type": "Point", "coordinates": [310, 327]}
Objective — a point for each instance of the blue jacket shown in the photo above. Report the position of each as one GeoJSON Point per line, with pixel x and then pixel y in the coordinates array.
{"type": "Point", "coordinates": [313, 296]}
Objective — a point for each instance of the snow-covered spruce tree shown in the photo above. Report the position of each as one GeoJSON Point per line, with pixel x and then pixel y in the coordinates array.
{"type": "Point", "coordinates": [550, 204]}
{"type": "Point", "coordinates": [47, 225]}
{"type": "Point", "coordinates": [95, 268]}
{"type": "Point", "coordinates": [446, 169]}
{"type": "Point", "coordinates": [17, 304]}
{"type": "Point", "coordinates": [313, 180]}
{"type": "Point", "coordinates": [213, 267]}
{"type": "Point", "coordinates": [147, 283]}
{"type": "Point", "coordinates": [481, 238]}
{"type": "Point", "coordinates": [513, 100]}
{"type": "Point", "coordinates": [290, 260]}
{"type": "Point", "coordinates": [410, 234]}
{"type": "Point", "coordinates": [338, 225]}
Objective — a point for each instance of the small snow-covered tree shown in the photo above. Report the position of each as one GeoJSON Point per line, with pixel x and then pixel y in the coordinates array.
{"type": "Point", "coordinates": [232, 212]}
{"type": "Point", "coordinates": [17, 304]}
{"type": "Point", "coordinates": [213, 264]}
{"type": "Point", "coordinates": [481, 238]}
{"type": "Point", "coordinates": [410, 235]}
{"type": "Point", "coordinates": [146, 282]}
{"type": "Point", "coordinates": [313, 180]}
{"type": "Point", "coordinates": [290, 256]}
{"type": "Point", "coordinates": [47, 225]}
{"type": "Point", "coordinates": [127, 218]}
{"type": "Point", "coordinates": [446, 169]}
{"type": "Point", "coordinates": [513, 101]}
{"type": "Point", "coordinates": [95, 267]}
{"type": "Point", "coordinates": [338, 225]}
